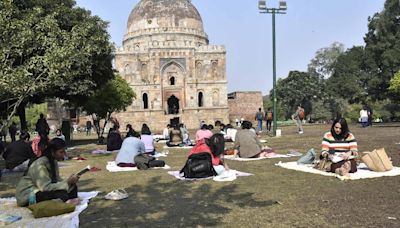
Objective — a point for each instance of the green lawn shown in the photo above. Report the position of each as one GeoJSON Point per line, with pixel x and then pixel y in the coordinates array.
{"type": "Point", "coordinates": [273, 197]}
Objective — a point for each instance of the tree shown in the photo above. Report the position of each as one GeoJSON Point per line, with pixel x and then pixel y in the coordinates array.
{"type": "Point", "coordinates": [349, 79]}
{"type": "Point", "coordinates": [299, 88]}
{"type": "Point", "coordinates": [114, 96]}
{"type": "Point", "coordinates": [322, 63]}
{"type": "Point", "coordinates": [395, 83]}
{"type": "Point", "coordinates": [50, 49]}
{"type": "Point", "coordinates": [383, 45]}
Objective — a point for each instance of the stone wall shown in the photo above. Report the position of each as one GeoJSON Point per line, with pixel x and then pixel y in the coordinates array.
{"type": "Point", "coordinates": [244, 105]}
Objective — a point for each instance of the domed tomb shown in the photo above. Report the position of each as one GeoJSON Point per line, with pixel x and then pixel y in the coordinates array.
{"type": "Point", "coordinates": [167, 60]}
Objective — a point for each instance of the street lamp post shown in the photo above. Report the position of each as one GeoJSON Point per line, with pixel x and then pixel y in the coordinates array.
{"type": "Point", "coordinates": [262, 6]}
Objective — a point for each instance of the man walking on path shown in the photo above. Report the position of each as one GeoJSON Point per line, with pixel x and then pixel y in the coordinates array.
{"type": "Point", "coordinates": [259, 117]}
{"type": "Point", "coordinates": [269, 116]}
{"type": "Point", "coordinates": [298, 117]}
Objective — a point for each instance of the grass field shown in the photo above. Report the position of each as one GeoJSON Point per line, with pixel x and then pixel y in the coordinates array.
{"type": "Point", "coordinates": [273, 197]}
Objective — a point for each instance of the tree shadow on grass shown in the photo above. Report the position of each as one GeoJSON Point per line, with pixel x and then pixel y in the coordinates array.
{"type": "Point", "coordinates": [170, 204]}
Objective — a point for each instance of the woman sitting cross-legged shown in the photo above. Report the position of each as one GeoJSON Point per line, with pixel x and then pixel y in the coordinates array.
{"type": "Point", "coordinates": [247, 144]}
{"type": "Point", "coordinates": [340, 146]}
{"type": "Point", "coordinates": [42, 181]}
{"type": "Point", "coordinates": [148, 140]}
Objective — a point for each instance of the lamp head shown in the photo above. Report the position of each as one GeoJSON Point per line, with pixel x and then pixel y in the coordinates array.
{"type": "Point", "coordinates": [282, 5]}
{"type": "Point", "coordinates": [262, 5]}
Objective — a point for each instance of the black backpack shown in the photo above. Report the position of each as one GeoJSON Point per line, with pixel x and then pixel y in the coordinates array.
{"type": "Point", "coordinates": [198, 166]}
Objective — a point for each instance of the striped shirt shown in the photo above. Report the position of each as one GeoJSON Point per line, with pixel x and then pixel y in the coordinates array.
{"type": "Point", "coordinates": [331, 145]}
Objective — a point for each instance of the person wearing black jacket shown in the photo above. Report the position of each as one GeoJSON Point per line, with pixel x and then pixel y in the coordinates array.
{"type": "Point", "coordinates": [19, 153]}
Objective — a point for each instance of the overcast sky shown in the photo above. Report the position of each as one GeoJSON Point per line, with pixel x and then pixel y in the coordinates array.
{"type": "Point", "coordinates": [247, 35]}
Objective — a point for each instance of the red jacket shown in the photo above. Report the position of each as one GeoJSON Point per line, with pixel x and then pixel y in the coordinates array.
{"type": "Point", "coordinates": [201, 147]}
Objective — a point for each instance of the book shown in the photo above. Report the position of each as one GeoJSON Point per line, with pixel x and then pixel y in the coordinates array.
{"type": "Point", "coordinates": [6, 219]}
{"type": "Point", "coordinates": [84, 170]}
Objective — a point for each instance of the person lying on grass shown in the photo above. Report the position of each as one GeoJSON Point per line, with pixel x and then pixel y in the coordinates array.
{"type": "Point", "coordinates": [42, 180]}
{"type": "Point", "coordinates": [247, 144]}
{"type": "Point", "coordinates": [340, 147]}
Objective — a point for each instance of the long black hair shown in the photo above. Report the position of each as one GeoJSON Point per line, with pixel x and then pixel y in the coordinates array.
{"type": "Point", "coordinates": [345, 129]}
{"type": "Point", "coordinates": [145, 130]}
{"type": "Point", "coordinates": [54, 145]}
{"type": "Point", "coordinates": [216, 144]}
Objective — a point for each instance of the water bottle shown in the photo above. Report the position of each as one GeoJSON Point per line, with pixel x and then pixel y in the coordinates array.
{"type": "Point", "coordinates": [32, 198]}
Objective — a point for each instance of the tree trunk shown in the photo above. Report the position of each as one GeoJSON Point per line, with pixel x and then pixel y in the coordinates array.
{"type": "Point", "coordinates": [22, 116]}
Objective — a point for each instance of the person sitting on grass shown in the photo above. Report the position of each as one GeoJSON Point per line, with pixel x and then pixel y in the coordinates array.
{"type": "Point", "coordinates": [131, 147]}
{"type": "Point", "coordinates": [340, 145]}
{"type": "Point", "coordinates": [203, 133]}
{"type": "Point", "coordinates": [114, 139]}
{"type": "Point", "coordinates": [175, 137]}
{"type": "Point", "coordinates": [215, 146]}
{"type": "Point", "coordinates": [39, 143]}
{"type": "Point", "coordinates": [130, 130]}
{"type": "Point", "coordinates": [247, 144]}
{"type": "Point", "coordinates": [148, 140]}
{"type": "Point", "coordinates": [18, 154]}
{"type": "Point", "coordinates": [43, 182]}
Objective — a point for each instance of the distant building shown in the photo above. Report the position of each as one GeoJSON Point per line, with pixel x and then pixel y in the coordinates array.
{"type": "Point", "coordinates": [167, 60]}
{"type": "Point", "coordinates": [244, 104]}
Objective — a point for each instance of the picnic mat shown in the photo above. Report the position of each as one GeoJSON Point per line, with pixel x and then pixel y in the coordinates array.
{"type": "Point", "coordinates": [216, 178]}
{"type": "Point", "coordinates": [9, 206]}
{"type": "Point", "coordinates": [112, 167]}
{"type": "Point", "coordinates": [232, 157]}
{"type": "Point", "coordinates": [362, 171]}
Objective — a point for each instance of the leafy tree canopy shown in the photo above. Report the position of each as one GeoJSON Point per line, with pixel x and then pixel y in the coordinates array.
{"type": "Point", "coordinates": [51, 49]}
{"type": "Point", "coordinates": [299, 88]}
{"type": "Point", "coordinates": [383, 45]}
{"type": "Point", "coordinates": [322, 63]}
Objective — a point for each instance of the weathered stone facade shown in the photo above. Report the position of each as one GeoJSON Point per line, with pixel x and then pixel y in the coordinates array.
{"type": "Point", "coordinates": [244, 105]}
{"type": "Point", "coordinates": [167, 60]}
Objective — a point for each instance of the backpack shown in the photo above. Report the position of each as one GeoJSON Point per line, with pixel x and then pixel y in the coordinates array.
{"type": "Point", "coordinates": [198, 166]}
{"type": "Point", "coordinates": [269, 115]}
{"type": "Point", "coordinates": [301, 115]}
{"type": "Point", "coordinates": [259, 116]}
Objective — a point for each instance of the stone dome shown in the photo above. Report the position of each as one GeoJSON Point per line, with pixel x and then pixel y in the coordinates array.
{"type": "Point", "coordinates": [164, 15]}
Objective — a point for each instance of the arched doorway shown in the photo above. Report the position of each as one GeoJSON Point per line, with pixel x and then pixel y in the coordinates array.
{"type": "Point", "coordinates": [173, 105]}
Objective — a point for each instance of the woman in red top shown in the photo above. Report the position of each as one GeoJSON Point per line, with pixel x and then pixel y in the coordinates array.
{"type": "Point", "coordinates": [215, 147]}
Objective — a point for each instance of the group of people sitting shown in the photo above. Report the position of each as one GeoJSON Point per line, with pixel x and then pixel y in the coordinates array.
{"type": "Point", "coordinates": [42, 180]}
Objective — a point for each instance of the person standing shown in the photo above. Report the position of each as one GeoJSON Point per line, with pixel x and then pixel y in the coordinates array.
{"type": "Point", "coordinates": [259, 117]}
{"type": "Point", "coordinates": [298, 117]}
{"type": "Point", "coordinates": [13, 131]}
{"type": "Point", "coordinates": [364, 117]}
{"type": "Point", "coordinates": [42, 125]}
{"type": "Point", "coordinates": [269, 116]}
{"type": "Point", "coordinates": [89, 127]}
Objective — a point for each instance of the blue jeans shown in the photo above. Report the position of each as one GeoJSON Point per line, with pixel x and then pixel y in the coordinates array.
{"type": "Point", "coordinates": [259, 125]}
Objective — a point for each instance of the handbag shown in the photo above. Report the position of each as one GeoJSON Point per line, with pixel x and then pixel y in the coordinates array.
{"type": "Point", "coordinates": [50, 208]}
{"type": "Point", "coordinates": [377, 160]}
{"type": "Point", "coordinates": [324, 165]}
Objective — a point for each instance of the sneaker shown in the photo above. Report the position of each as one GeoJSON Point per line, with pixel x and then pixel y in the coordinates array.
{"type": "Point", "coordinates": [301, 132]}
{"type": "Point", "coordinates": [117, 194]}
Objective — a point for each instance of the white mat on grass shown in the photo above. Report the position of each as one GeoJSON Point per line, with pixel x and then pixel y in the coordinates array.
{"type": "Point", "coordinates": [178, 147]}
{"type": "Point", "coordinates": [216, 178]}
{"type": "Point", "coordinates": [112, 167]}
{"type": "Point", "coordinates": [232, 157]}
{"type": "Point", "coordinates": [9, 206]}
{"type": "Point", "coordinates": [362, 171]}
